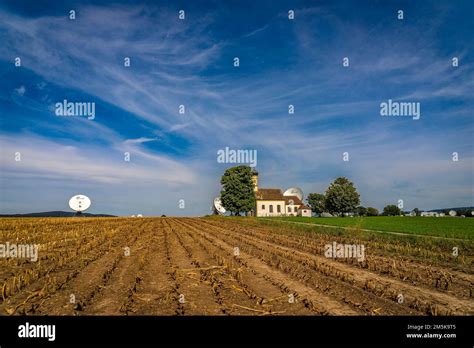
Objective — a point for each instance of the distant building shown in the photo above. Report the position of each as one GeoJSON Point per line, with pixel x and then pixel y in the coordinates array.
{"type": "Point", "coordinates": [272, 202]}
{"type": "Point", "coordinates": [326, 215]}
{"type": "Point", "coordinates": [305, 211]}
{"type": "Point", "coordinates": [429, 213]}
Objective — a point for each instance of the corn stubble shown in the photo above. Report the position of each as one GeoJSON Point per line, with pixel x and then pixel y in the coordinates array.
{"type": "Point", "coordinates": [187, 266]}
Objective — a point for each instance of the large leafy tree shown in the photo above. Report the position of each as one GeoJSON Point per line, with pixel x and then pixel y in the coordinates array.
{"type": "Point", "coordinates": [317, 202]}
{"type": "Point", "coordinates": [342, 196]}
{"type": "Point", "coordinates": [361, 211]}
{"type": "Point", "coordinates": [237, 193]}
{"type": "Point", "coordinates": [372, 211]}
{"type": "Point", "coordinates": [391, 210]}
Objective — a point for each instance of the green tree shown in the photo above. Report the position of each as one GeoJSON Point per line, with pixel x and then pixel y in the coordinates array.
{"type": "Point", "coordinates": [361, 211]}
{"type": "Point", "coordinates": [237, 193]}
{"type": "Point", "coordinates": [465, 212]}
{"type": "Point", "coordinates": [372, 211]}
{"type": "Point", "coordinates": [342, 196]}
{"type": "Point", "coordinates": [391, 210]}
{"type": "Point", "coordinates": [317, 202]}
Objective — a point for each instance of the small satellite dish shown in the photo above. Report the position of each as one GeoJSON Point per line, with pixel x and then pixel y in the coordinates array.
{"type": "Point", "coordinates": [133, 215]}
{"type": "Point", "coordinates": [452, 213]}
{"type": "Point", "coordinates": [139, 215]}
{"type": "Point", "coordinates": [79, 203]}
{"type": "Point", "coordinates": [294, 191]}
{"type": "Point", "coordinates": [218, 207]}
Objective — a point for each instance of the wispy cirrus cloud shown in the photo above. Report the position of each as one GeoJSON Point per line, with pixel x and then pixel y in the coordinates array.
{"type": "Point", "coordinates": [43, 158]}
{"type": "Point", "coordinates": [283, 62]}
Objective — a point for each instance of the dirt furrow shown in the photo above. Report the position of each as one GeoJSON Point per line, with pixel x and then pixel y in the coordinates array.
{"type": "Point", "coordinates": [56, 278]}
{"type": "Point", "coordinates": [113, 297]}
{"type": "Point", "coordinates": [325, 304]}
{"type": "Point", "coordinates": [194, 295]}
{"type": "Point", "coordinates": [241, 292]}
{"type": "Point", "coordinates": [339, 288]}
{"type": "Point", "coordinates": [154, 294]}
{"type": "Point", "coordinates": [75, 295]}
{"type": "Point", "coordinates": [224, 266]}
{"type": "Point", "coordinates": [428, 301]}
{"type": "Point", "coordinates": [412, 272]}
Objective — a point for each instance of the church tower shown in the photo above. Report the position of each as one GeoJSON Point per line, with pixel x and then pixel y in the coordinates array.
{"type": "Point", "coordinates": [255, 180]}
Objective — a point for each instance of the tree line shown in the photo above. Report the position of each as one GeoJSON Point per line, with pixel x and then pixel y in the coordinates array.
{"type": "Point", "coordinates": [340, 198]}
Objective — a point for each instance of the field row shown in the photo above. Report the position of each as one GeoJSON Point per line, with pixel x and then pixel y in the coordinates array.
{"type": "Point", "coordinates": [209, 266]}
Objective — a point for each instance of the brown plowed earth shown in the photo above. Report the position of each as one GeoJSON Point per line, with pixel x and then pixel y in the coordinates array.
{"type": "Point", "coordinates": [325, 293]}
{"type": "Point", "coordinates": [189, 266]}
{"type": "Point", "coordinates": [242, 291]}
{"type": "Point", "coordinates": [52, 288]}
{"type": "Point", "coordinates": [155, 292]}
{"type": "Point", "coordinates": [90, 282]}
{"type": "Point", "coordinates": [427, 301]}
{"type": "Point", "coordinates": [445, 279]}
{"type": "Point", "coordinates": [263, 273]}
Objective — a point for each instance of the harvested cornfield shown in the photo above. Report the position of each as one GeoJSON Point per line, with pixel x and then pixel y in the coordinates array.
{"type": "Point", "coordinates": [224, 266]}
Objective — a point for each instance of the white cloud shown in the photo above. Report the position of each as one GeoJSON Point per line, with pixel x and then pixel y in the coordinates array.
{"type": "Point", "coordinates": [238, 111]}
{"type": "Point", "coordinates": [46, 159]}
{"type": "Point", "coordinates": [140, 140]}
{"type": "Point", "coordinates": [20, 90]}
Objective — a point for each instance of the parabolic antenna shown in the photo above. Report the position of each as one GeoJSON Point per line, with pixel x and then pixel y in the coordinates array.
{"type": "Point", "coordinates": [218, 207]}
{"type": "Point", "coordinates": [452, 213]}
{"type": "Point", "coordinates": [79, 203]}
{"type": "Point", "coordinates": [294, 191]}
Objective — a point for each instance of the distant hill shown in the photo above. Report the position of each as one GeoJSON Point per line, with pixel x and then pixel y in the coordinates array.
{"type": "Point", "coordinates": [55, 214]}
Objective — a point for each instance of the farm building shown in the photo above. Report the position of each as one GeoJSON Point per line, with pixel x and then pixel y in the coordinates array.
{"type": "Point", "coordinates": [305, 211]}
{"type": "Point", "coordinates": [429, 213]}
{"type": "Point", "coordinates": [273, 202]}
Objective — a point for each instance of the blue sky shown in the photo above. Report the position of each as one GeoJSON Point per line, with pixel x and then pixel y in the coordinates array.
{"type": "Point", "coordinates": [190, 62]}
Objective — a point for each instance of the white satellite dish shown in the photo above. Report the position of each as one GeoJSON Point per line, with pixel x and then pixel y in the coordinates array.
{"type": "Point", "coordinates": [294, 191]}
{"type": "Point", "coordinates": [218, 207]}
{"type": "Point", "coordinates": [452, 213]}
{"type": "Point", "coordinates": [139, 215]}
{"type": "Point", "coordinates": [79, 203]}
